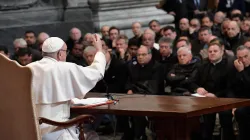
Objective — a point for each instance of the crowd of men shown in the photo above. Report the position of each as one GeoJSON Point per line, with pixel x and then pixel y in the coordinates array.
{"type": "Point", "coordinates": [207, 52]}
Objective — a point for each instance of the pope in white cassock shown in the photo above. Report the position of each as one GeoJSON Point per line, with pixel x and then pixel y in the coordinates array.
{"type": "Point", "coordinates": [55, 82]}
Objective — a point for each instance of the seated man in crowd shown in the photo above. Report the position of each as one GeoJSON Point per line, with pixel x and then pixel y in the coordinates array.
{"type": "Point", "coordinates": [89, 54]}
{"type": "Point", "coordinates": [183, 73]}
{"type": "Point", "coordinates": [24, 56]}
{"type": "Point", "coordinates": [55, 82]}
{"type": "Point", "coordinates": [21, 43]}
{"type": "Point", "coordinates": [212, 80]}
{"type": "Point", "coordinates": [241, 89]}
{"type": "Point", "coordinates": [76, 55]}
{"type": "Point", "coordinates": [145, 77]}
{"type": "Point", "coordinates": [168, 58]}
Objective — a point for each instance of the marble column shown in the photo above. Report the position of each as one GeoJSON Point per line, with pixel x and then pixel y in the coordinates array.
{"type": "Point", "coordinates": [121, 13]}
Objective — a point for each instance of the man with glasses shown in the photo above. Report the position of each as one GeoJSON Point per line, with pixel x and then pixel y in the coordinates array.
{"type": "Point", "coordinates": [145, 77]}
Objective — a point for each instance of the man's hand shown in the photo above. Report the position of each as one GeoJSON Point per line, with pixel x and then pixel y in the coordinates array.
{"type": "Point", "coordinates": [97, 42]}
{"type": "Point", "coordinates": [172, 13]}
{"type": "Point", "coordinates": [201, 91]}
{"type": "Point", "coordinates": [204, 53]}
{"type": "Point", "coordinates": [121, 52]}
{"type": "Point", "coordinates": [196, 12]}
{"type": "Point", "coordinates": [130, 92]}
{"type": "Point", "coordinates": [210, 95]}
{"type": "Point", "coordinates": [238, 65]}
{"type": "Point", "coordinates": [229, 52]}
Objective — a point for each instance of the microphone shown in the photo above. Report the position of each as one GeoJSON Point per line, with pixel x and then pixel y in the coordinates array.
{"type": "Point", "coordinates": [108, 95]}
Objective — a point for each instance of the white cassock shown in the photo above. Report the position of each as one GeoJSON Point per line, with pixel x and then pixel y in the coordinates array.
{"type": "Point", "coordinates": [55, 83]}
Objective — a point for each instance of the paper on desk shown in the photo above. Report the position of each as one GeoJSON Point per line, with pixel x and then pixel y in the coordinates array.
{"type": "Point", "coordinates": [197, 95]}
{"type": "Point", "coordinates": [89, 101]}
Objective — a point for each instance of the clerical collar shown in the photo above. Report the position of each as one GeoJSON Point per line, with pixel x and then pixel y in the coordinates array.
{"type": "Point", "coordinates": [215, 63]}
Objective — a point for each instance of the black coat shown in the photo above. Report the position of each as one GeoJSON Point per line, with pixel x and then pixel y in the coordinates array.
{"type": "Point", "coordinates": [180, 9]}
{"type": "Point", "coordinates": [147, 79]}
{"type": "Point", "coordinates": [184, 76]}
{"type": "Point", "coordinates": [241, 83]}
{"type": "Point", "coordinates": [214, 78]}
{"type": "Point", "coordinates": [77, 60]}
{"type": "Point", "coordinates": [115, 78]}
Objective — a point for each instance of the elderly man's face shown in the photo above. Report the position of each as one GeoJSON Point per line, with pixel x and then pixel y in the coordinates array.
{"type": "Point", "coordinates": [143, 56]}
{"type": "Point", "coordinates": [77, 50]}
{"type": "Point", "coordinates": [244, 57]}
{"type": "Point", "coordinates": [218, 18]}
{"type": "Point", "coordinates": [232, 30]}
{"type": "Point", "coordinates": [184, 57]}
{"type": "Point", "coordinates": [136, 28]}
{"type": "Point", "coordinates": [105, 31]}
{"type": "Point", "coordinates": [148, 40]}
{"type": "Point", "coordinates": [165, 49]}
{"type": "Point", "coordinates": [17, 46]}
{"type": "Point", "coordinates": [224, 27]}
{"type": "Point", "coordinates": [113, 34]}
{"type": "Point", "coordinates": [170, 34]}
{"type": "Point", "coordinates": [215, 53]}
{"type": "Point", "coordinates": [245, 26]}
{"type": "Point", "coordinates": [89, 57]}
{"type": "Point", "coordinates": [62, 54]}
{"type": "Point", "coordinates": [155, 27]}
{"type": "Point", "coordinates": [25, 60]}
{"type": "Point", "coordinates": [184, 24]}
{"type": "Point", "coordinates": [195, 24]}
{"type": "Point", "coordinates": [75, 34]}
{"type": "Point", "coordinates": [30, 38]}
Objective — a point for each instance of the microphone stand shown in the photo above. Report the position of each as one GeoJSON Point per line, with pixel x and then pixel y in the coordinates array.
{"type": "Point", "coordinates": [108, 95]}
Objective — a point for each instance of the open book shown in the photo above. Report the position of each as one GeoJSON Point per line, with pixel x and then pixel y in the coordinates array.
{"type": "Point", "coordinates": [89, 101]}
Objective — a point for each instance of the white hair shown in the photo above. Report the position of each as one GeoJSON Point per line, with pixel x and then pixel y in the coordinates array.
{"type": "Point", "coordinates": [21, 42]}
{"type": "Point", "coordinates": [184, 48]}
{"type": "Point", "coordinates": [89, 49]}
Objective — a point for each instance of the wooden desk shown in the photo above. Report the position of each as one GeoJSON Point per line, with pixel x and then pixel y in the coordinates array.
{"type": "Point", "coordinates": [174, 116]}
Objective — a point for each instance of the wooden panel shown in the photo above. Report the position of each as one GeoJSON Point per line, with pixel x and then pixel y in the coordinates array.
{"type": "Point", "coordinates": [18, 121]}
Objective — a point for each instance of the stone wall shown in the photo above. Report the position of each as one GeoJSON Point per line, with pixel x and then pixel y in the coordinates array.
{"type": "Point", "coordinates": [57, 17]}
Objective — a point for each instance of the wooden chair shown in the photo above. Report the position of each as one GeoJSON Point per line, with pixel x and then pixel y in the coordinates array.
{"type": "Point", "coordinates": [18, 118]}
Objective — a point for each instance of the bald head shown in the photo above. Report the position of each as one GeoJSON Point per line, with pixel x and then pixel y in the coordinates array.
{"type": "Point", "coordinates": [233, 29]}
{"type": "Point", "coordinates": [184, 24]}
{"type": "Point", "coordinates": [219, 17]}
{"type": "Point", "coordinates": [42, 37]}
{"type": "Point", "coordinates": [136, 28]}
{"type": "Point", "coordinates": [75, 34]}
{"type": "Point", "coordinates": [105, 31]}
{"type": "Point", "coordinates": [148, 39]}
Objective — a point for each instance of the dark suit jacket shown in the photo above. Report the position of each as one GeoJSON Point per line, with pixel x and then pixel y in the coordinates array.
{"type": "Point", "coordinates": [115, 78]}
{"type": "Point", "coordinates": [192, 7]}
{"type": "Point", "coordinates": [238, 4]}
{"type": "Point", "coordinates": [179, 9]}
